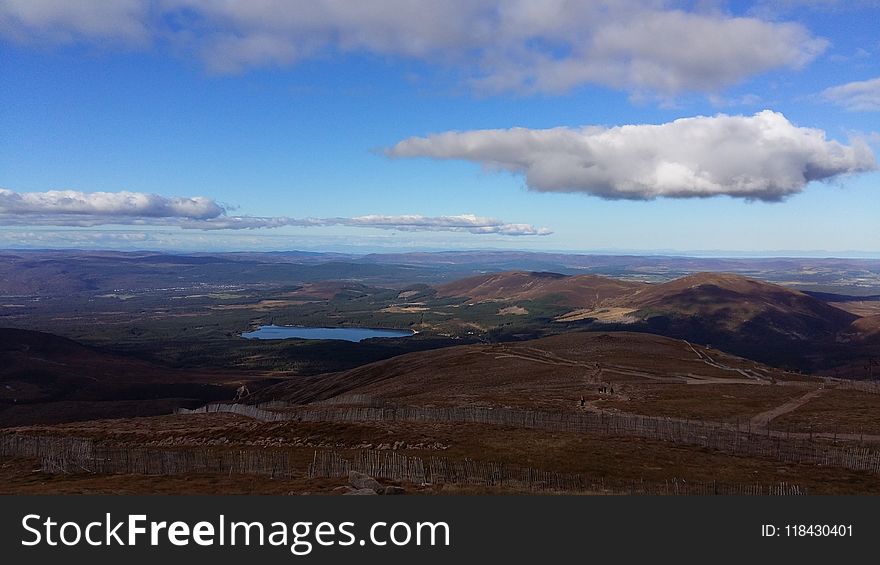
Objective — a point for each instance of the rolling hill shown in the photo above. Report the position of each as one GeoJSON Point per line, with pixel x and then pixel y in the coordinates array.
{"type": "Point", "coordinates": [570, 290]}
{"type": "Point", "coordinates": [738, 303]}
{"type": "Point", "coordinates": [729, 302]}
{"type": "Point", "coordinates": [551, 372]}
{"type": "Point", "coordinates": [867, 328]}
{"type": "Point", "coordinates": [45, 378]}
{"type": "Point", "coordinates": [749, 317]}
{"type": "Point", "coordinates": [756, 319]}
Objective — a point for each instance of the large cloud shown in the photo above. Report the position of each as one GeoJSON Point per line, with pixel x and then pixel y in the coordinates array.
{"type": "Point", "coordinates": [88, 209]}
{"type": "Point", "coordinates": [863, 95]}
{"type": "Point", "coordinates": [757, 157]}
{"type": "Point", "coordinates": [521, 45]}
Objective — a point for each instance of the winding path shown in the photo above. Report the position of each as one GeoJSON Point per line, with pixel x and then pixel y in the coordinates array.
{"type": "Point", "coordinates": [763, 418]}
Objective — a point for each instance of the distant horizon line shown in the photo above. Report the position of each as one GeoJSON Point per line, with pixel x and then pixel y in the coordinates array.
{"type": "Point", "coordinates": [672, 253]}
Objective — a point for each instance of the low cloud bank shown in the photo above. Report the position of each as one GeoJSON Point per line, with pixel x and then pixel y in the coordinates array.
{"type": "Point", "coordinates": [88, 209]}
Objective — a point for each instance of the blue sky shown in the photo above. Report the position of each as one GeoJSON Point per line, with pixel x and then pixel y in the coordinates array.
{"type": "Point", "coordinates": [274, 115]}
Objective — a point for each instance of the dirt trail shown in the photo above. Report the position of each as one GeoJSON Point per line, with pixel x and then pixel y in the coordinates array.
{"type": "Point", "coordinates": [707, 359]}
{"type": "Point", "coordinates": [556, 363]}
{"type": "Point", "coordinates": [764, 417]}
{"type": "Point", "coordinates": [536, 355]}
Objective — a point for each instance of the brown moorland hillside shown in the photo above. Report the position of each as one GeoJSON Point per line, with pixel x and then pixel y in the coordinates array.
{"type": "Point", "coordinates": [611, 373]}
{"type": "Point", "coordinates": [749, 317]}
{"type": "Point", "coordinates": [729, 302]}
{"type": "Point", "coordinates": [867, 328]}
{"type": "Point", "coordinates": [548, 373]}
{"type": "Point", "coordinates": [572, 290]}
{"type": "Point", "coordinates": [735, 301]}
{"type": "Point", "coordinates": [46, 378]}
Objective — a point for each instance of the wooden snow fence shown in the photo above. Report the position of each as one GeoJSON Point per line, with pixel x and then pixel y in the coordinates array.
{"type": "Point", "coordinates": [76, 455]}
{"type": "Point", "coordinates": [871, 387]}
{"type": "Point", "coordinates": [441, 470]}
{"type": "Point", "coordinates": [727, 438]}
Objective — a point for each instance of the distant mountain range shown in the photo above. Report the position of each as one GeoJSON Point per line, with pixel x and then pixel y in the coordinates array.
{"type": "Point", "coordinates": [52, 272]}
{"type": "Point", "coordinates": [820, 315]}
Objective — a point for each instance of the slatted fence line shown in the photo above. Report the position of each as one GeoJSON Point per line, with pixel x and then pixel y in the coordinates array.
{"type": "Point", "coordinates": [871, 387]}
{"type": "Point", "coordinates": [75, 455]}
{"type": "Point", "coordinates": [55, 454]}
{"type": "Point", "coordinates": [350, 400]}
{"type": "Point", "coordinates": [718, 436]}
{"type": "Point", "coordinates": [441, 470]}
{"type": "Point", "coordinates": [72, 455]}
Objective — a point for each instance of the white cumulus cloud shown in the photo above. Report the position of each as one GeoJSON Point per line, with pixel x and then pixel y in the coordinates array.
{"type": "Point", "coordinates": [498, 45]}
{"type": "Point", "coordinates": [763, 156]}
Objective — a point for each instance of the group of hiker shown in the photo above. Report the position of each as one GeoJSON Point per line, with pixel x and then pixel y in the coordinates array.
{"type": "Point", "coordinates": [604, 389]}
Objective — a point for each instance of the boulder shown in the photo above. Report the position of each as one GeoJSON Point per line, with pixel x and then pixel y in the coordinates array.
{"type": "Point", "coordinates": [361, 481]}
{"type": "Point", "coordinates": [361, 492]}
